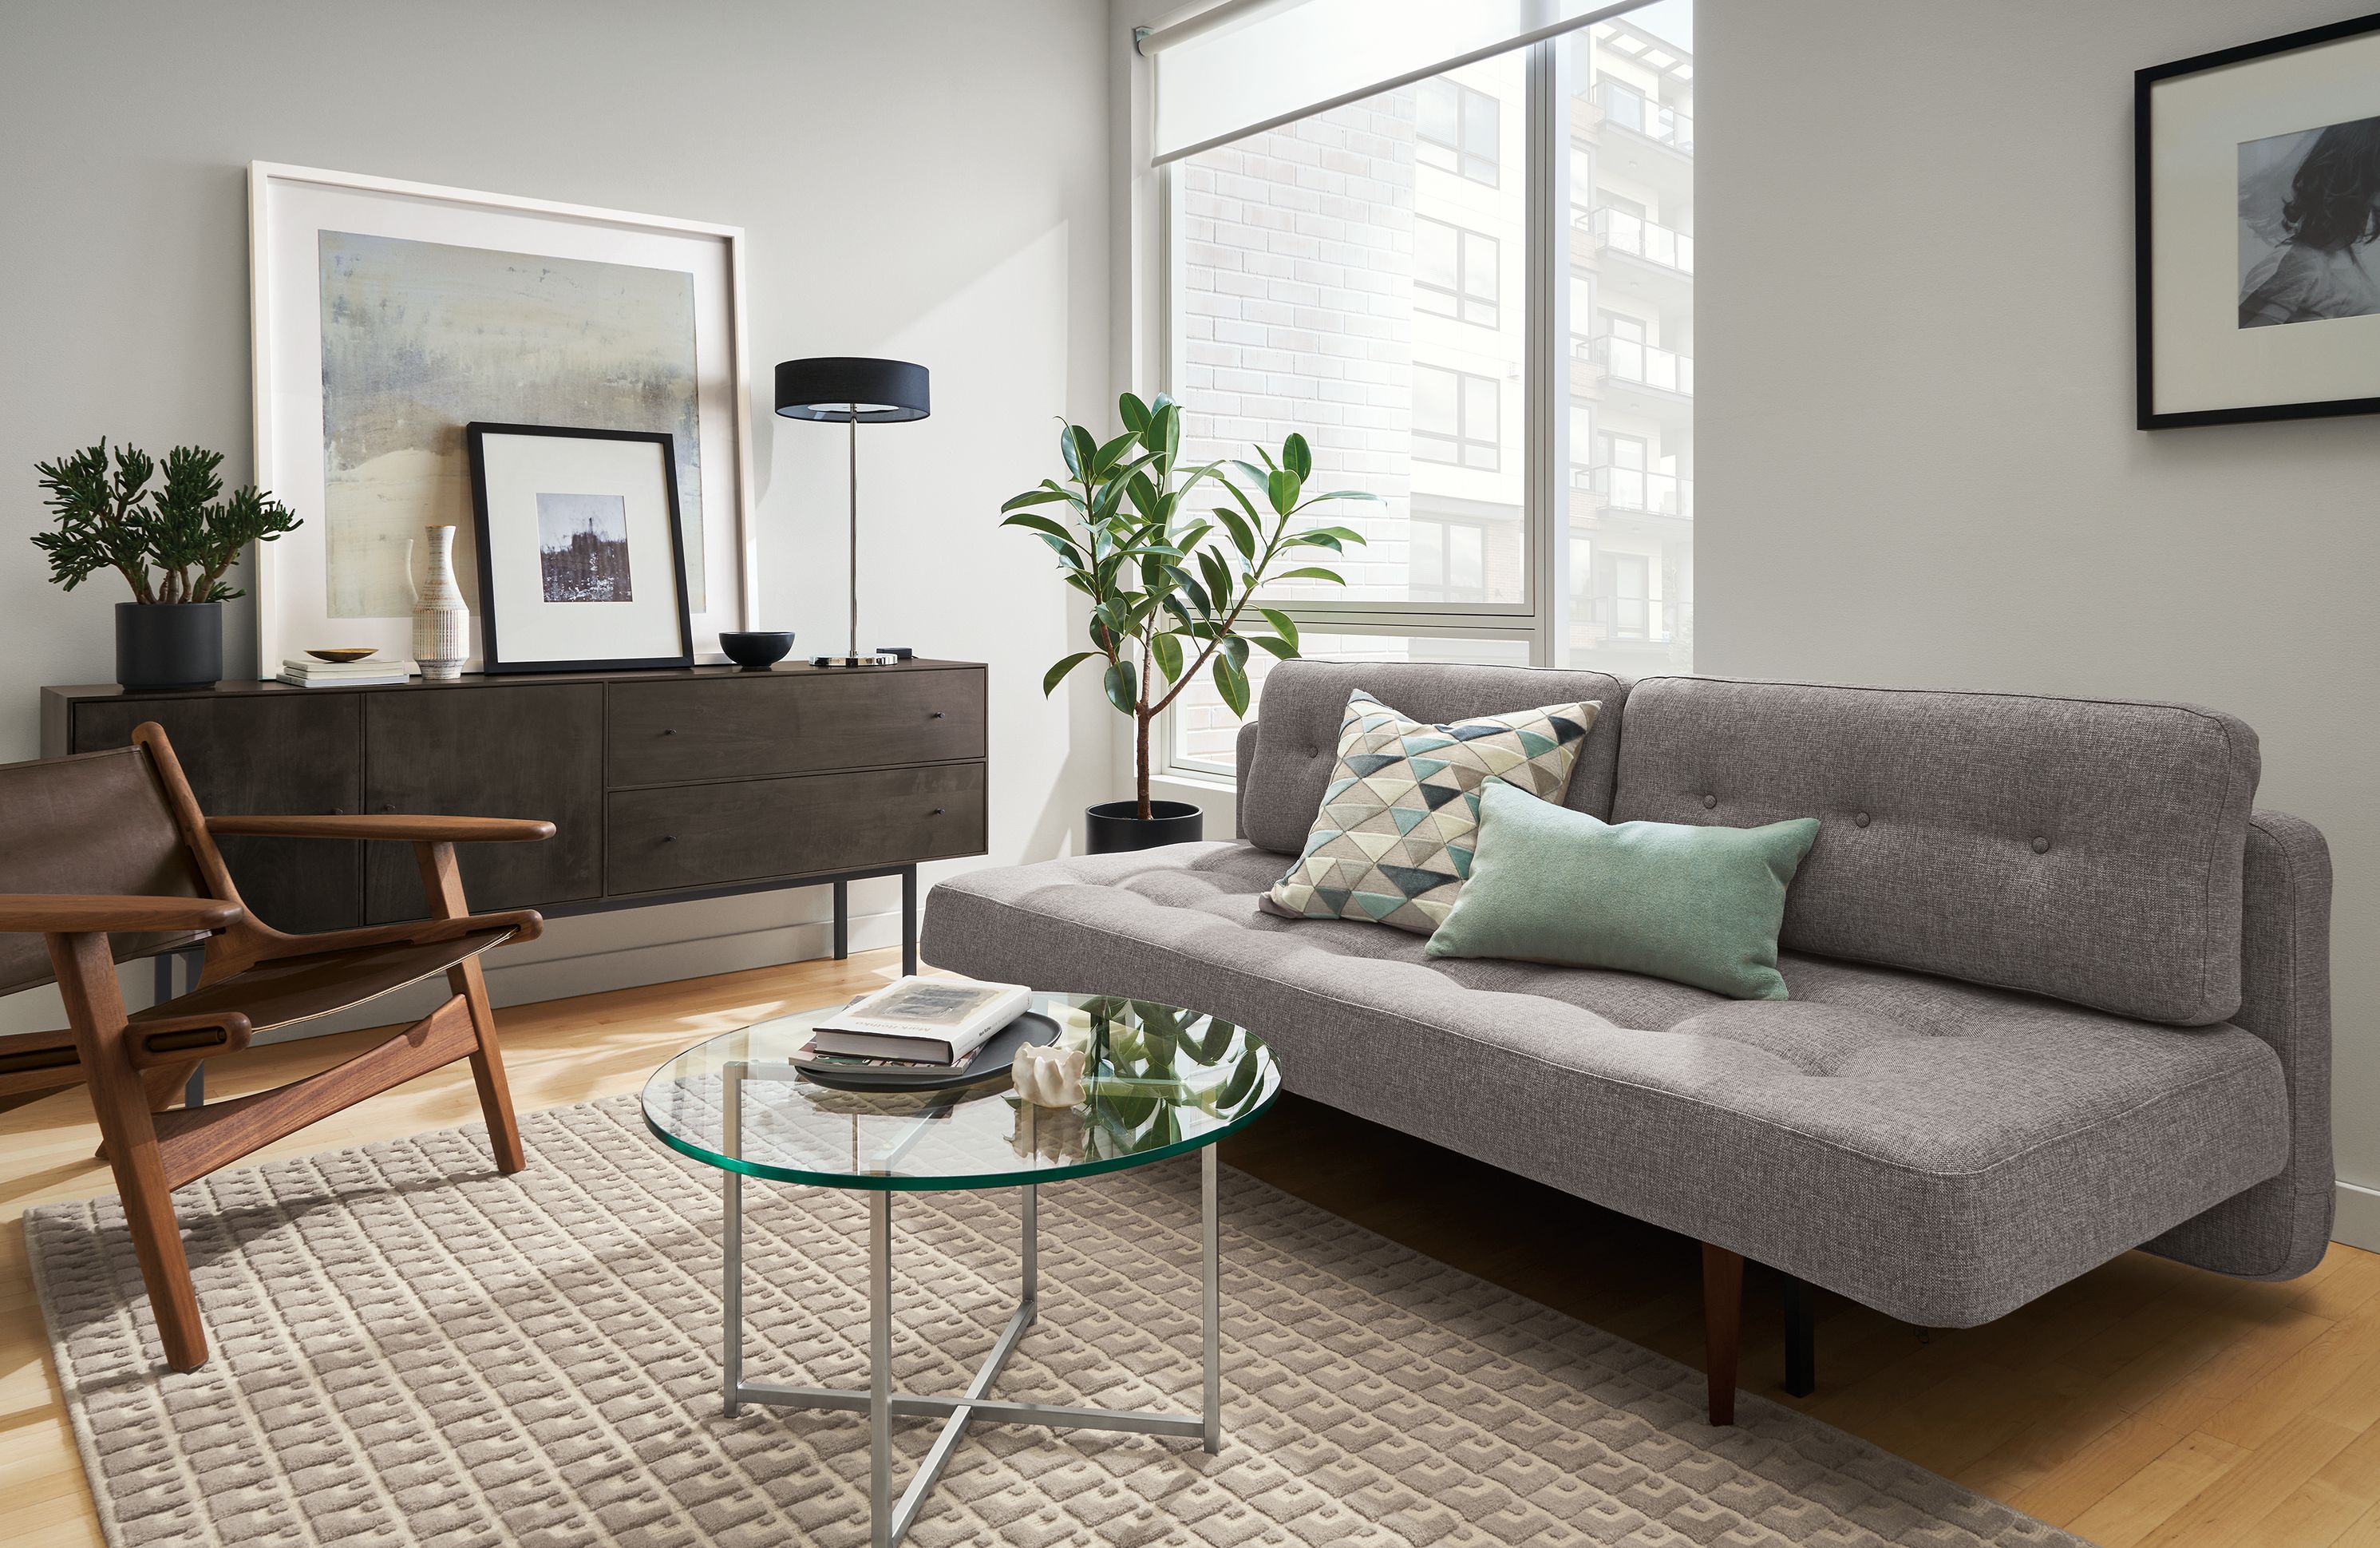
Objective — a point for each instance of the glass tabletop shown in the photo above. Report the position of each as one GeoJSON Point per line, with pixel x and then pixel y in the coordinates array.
{"type": "Point", "coordinates": [1157, 1081]}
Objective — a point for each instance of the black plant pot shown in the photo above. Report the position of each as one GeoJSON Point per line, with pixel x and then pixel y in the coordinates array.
{"type": "Point", "coordinates": [1112, 827]}
{"type": "Point", "coordinates": [168, 644]}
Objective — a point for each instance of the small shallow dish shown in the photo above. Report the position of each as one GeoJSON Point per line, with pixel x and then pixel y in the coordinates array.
{"type": "Point", "coordinates": [344, 653]}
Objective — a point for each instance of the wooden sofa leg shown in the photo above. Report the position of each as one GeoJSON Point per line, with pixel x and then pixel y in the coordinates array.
{"type": "Point", "coordinates": [1801, 1340]}
{"type": "Point", "coordinates": [86, 974]}
{"type": "Point", "coordinates": [1722, 1326]}
{"type": "Point", "coordinates": [488, 1068]}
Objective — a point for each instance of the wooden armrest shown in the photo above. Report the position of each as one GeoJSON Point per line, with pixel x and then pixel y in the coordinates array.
{"type": "Point", "coordinates": [390, 826]}
{"type": "Point", "coordinates": [82, 914]}
{"type": "Point", "coordinates": [526, 924]}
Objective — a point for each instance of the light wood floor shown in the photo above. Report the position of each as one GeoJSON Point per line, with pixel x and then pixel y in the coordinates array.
{"type": "Point", "coordinates": [2144, 1404]}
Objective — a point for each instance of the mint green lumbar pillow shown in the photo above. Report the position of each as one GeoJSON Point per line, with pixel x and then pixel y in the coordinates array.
{"type": "Point", "coordinates": [1698, 906]}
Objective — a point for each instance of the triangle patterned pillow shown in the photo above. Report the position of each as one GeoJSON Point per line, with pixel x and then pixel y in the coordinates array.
{"type": "Point", "coordinates": [1392, 841]}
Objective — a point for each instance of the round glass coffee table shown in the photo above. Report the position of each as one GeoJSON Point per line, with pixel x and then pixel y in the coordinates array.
{"type": "Point", "coordinates": [1158, 1081]}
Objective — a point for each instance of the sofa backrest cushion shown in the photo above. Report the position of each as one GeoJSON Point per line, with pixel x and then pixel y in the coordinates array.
{"type": "Point", "coordinates": [2089, 849]}
{"type": "Point", "coordinates": [1298, 719]}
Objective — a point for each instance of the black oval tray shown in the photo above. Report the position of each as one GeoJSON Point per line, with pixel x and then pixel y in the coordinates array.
{"type": "Point", "coordinates": [992, 1061]}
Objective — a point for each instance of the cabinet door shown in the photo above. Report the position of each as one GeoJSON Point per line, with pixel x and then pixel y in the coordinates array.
{"type": "Point", "coordinates": [275, 754]}
{"type": "Point", "coordinates": [534, 751]}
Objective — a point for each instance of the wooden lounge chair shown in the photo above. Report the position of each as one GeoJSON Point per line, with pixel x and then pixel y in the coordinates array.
{"type": "Point", "coordinates": [106, 857]}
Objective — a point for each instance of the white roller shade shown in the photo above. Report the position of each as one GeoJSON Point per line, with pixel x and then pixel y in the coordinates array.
{"type": "Point", "coordinates": [1246, 65]}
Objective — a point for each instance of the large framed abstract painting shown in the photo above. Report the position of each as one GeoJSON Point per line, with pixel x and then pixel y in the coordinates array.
{"type": "Point", "coordinates": [579, 559]}
{"type": "Point", "coordinates": [389, 316]}
{"type": "Point", "coordinates": [2256, 186]}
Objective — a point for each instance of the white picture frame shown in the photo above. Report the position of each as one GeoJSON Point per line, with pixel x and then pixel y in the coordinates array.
{"type": "Point", "coordinates": [290, 210]}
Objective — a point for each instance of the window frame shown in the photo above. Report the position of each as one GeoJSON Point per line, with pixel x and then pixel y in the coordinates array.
{"type": "Point", "coordinates": [1460, 149]}
{"type": "Point", "coordinates": [1541, 622]}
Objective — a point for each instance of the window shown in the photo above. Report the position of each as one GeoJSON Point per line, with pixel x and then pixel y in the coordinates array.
{"type": "Point", "coordinates": [1456, 126]}
{"type": "Point", "coordinates": [1363, 275]}
{"type": "Point", "coordinates": [1455, 417]}
{"type": "Point", "coordinates": [1454, 272]}
{"type": "Point", "coordinates": [1630, 598]}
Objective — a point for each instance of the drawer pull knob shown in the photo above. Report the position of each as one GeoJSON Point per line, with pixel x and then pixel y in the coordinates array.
{"type": "Point", "coordinates": [669, 838]}
{"type": "Point", "coordinates": [938, 812]}
{"type": "Point", "coordinates": [935, 716]}
{"type": "Point", "coordinates": [338, 811]}
{"type": "Point", "coordinates": [389, 808]}
{"type": "Point", "coordinates": [669, 730]}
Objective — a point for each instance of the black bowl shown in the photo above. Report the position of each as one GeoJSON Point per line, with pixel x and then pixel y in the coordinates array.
{"type": "Point", "coordinates": [756, 650]}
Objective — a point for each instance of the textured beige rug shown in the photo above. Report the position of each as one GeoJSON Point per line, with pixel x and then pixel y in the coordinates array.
{"type": "Point", "coordinates": [410, 1350]}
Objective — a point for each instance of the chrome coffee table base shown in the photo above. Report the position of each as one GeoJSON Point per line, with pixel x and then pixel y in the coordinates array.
{"type": "Point", "coordinates": [890, 1521]}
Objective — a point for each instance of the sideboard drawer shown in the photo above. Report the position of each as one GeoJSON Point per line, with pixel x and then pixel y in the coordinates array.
{"type": "Point", "coordinates": [726, 729]}
{"type": "Point", "coordinates": [707, 836]}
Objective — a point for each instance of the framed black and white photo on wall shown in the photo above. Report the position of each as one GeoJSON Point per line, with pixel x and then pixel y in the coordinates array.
{"type": "Point", "coordinates": [580, 563]}
{"type": "Point", "coordinates": [2256, 192]}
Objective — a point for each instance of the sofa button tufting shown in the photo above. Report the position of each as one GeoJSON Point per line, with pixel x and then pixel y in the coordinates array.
{"type": "Point", "coordinates": [1709, 801]}
{"type": "Point", "coordinates": [2040, 845]}
{"type": "Point", "coordinates": [1859, 820]}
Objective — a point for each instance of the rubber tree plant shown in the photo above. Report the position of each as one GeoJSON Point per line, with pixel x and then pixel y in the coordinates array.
{"type": "Point", "coordinates": [1173, 589]}
{"type": "Point", "coordinates": [173, 543]}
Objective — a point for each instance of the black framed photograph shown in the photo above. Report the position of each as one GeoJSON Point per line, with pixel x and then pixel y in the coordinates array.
{"type": "Point", "coordinates": [580, 566]}
{"type": "Point", "coordinates": [2256, 188]}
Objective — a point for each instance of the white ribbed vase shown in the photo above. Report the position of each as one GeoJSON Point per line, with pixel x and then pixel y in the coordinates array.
{"type": "Point", "coordinates": [442, 620]}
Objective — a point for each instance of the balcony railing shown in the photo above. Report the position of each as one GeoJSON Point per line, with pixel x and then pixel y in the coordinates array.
{"type": "Point", "coordinates": [1625, 359]}
{"type": "Point", "coordinates": [1633, 110]}
{"type": "Point", "coordinates": [1636, 489]}
{"type": "Point", "coordinates": [1633, 234]}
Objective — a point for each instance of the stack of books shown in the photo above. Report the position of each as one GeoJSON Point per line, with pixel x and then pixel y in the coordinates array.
{"type": "Point", "coordinates": [923, 1023]}
{"type": "Point", "coordinates": [306, 671]}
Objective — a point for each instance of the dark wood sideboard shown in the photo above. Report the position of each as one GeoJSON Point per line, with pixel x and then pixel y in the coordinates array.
{"type": "Point", "coordinates": [661, 786]}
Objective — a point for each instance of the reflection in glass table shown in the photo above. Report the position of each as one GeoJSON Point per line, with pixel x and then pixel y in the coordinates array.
{"type": "Point", "coordinates": [1158, 1081]}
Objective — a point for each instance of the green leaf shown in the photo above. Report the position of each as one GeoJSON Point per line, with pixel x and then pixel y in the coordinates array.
{"type": "Point", "coordinates": [1082, 450]}
{"type": "Point", "coordinates": [1218, 578]}
{"type": "Point", "coordinates": [1243, 538]}
{"type": "Point", "coordinates": [1281, 625]}
{"type": "Point", "coordinates": [1122, 686]}
{"type": "Point", "coordinates": [1106, 458]}
{"type": "Point", "coordinates": [1345, 494]}
{"type": "Point", "coordinates": [1255, 476]}
{"type": "Point", "coordinates": [1297, 456]}
{"type": "Point", "coordinates": [1281, 489]}
{"type": "Point", "coordinates": [1241, 1083]}
{"type": "Point", "coordinates": [1281, 648]}
{"type": "Point", "coordinates": [1056, 674]}
{"type": "Point", "coordinates": [1232, 682]}
{"type": "Point", "coordinates": [1040, 524]}
{"type": "Point", "coordinates": [1144, 495]}
{"type": "Point", "coordinates": [1167, 649]}
{"type": "Point", "coordinates": [1134, 412]}
{"type": "Point", "coordinates": [1236, 647]}
{"type": "Point", "coordinates": [1064, 550]}
{"type": "Point", "coordinates": [1312, 572]}
{"type": "Point", "coordinates": [1070, 448]}
{"type": "Point", "coordinates": [1338, 535]}
{"type": "Point", "coordinates": [1041, 496]}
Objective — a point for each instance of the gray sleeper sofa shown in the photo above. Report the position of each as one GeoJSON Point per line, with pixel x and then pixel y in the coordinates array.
{"type": "Point", "coordinates": [2057, 990]}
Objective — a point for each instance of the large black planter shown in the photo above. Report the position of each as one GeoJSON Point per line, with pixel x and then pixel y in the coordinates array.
{"type": "Point", "coordinates": [168, 644]}
{"type": "Point", "coordinates": [1112, 827]}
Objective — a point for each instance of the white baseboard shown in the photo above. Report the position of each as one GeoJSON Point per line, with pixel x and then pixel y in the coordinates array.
{"type": "Point", "coordinates": [2357, 1222]}
{"type": "Point", "coordinates": [596, 971]}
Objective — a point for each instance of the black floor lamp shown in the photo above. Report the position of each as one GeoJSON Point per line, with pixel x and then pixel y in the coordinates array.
{"type": "Point", "coordinates": [855, 391]}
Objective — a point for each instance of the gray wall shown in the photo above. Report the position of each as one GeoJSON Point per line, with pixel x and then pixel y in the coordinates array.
{"type": "Point", "coordinates": [925, 180]}
{"type": "Point", "coordinates": [1917, 459]}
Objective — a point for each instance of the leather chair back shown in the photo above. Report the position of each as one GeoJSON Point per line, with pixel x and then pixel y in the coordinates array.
{"type": "Point", "coordinates": [94, 824]}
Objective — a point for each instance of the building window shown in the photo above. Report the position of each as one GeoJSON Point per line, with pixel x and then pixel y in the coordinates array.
{"type": "Point", "coordinates": [1630, 596]}
{"type": "Point", "coordinates": [1449, 560]}
{"type": "Point", "coordinates": [1454, 272]}
{"type": "Point", "coordinates": [1455, 417]}
{"type": "Point", "coordinates": [1457, 129]}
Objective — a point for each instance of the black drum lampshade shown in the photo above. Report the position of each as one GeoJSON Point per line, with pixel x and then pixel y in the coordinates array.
{"type": "Point", "coordinates": [853, 390]}
{"type": "Point", "coordinates": [852, 387]}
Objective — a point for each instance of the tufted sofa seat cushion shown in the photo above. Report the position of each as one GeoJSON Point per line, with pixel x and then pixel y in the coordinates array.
{"type": "Point", "coordinates": [1949, 1151]}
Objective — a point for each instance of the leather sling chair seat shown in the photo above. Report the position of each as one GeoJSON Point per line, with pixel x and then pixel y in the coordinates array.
{"type": "Point", "coordinates": [106, 858]}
